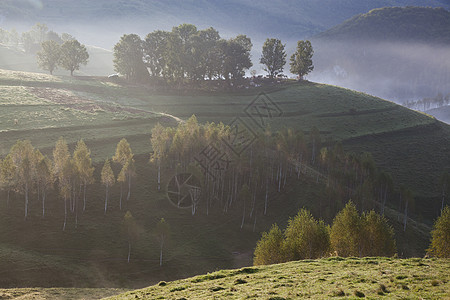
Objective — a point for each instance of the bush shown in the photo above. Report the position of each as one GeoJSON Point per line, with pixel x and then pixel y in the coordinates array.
{"type": "Point", "coordinates": [366, 235]}
{"type": "Point", "coordinates": [345, 233]}
{"type": "Point", "coordinates": [440, 235]}
{"type": "Point", "coordinates": [270, 248]}
{"type": "Point", "coordinates": [306, 237]}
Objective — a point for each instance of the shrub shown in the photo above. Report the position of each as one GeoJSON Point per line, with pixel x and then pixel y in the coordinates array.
{"type": "Point", "coordinates": [306, 237]}
{"type": "Point", "coordinates": [440, 235]}
{"type": "Point", "coordinates": [270, 248]}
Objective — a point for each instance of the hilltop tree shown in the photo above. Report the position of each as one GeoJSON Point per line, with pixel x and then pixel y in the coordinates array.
{"type": "Point", "coordinates": [73, 55]}
{"type": "Point", "coordinates": [273, 57]}
{"type": "Point", "coordinates": [306, 237]}
{"type": "Point", "coordinates": [155, 52]}
{"type": "Point", "coordinates": [83, 163]}
{"type": "Point", "coordinates": [301, 60]}
{"type": "Point", "coordinates": [345, 233]}
{"type": "Point", "coordinates": [124, 156]}
{"type": "Point", "coordinates": [7, 174]}
{"type": "Point", "coordinates": [132, 231]}
{"type": "Point", "coordinates": [22, 155]}
{"type": "Point", "coordinates": [440, 235]}
{"type": "Point", "coordinates": [108, 179]}
{"type": "Point", "coordinates": [163, 232]}
{"type": "Point", "coordinates": [128, 57]}
{"type": "Point", "coordinates": [49, 56]}
{"type": "Point", "coordinates": [270, 248]}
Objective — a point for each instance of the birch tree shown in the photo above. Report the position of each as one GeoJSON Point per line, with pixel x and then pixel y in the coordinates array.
{"type": "Point", "coordinates": [7, 174]}
{"type": "Point", "coordinates": [22, 154]}
{"type": "Point", "coordinates": [61, 170]}
{"type": "Point", "coordinates": [132, 231]}
{"type": "Point", "coordinates": [163, 232]}
{"type": "Point", "coordinates": [107, 179]}
{"type": "Point", "coordinates": [83, 163]}
{"type": "Point", "coordinates": [124, 156]}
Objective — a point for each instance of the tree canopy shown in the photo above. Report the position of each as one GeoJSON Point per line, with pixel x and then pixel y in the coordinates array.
{"type": "Point", "coordinates": [273, 57]}
{"type": "Point", "coordinates": [301, 60]}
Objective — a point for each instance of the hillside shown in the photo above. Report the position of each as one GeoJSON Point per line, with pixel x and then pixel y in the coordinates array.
{"type": "Point", "coordinates": [399, 54]}
{"type": "Point", "coordinates": [441, 113]}
{"type": "Point", "coordinates": [318, 279]}
{"type": "Point", "coordinates": [409, 24]}
{"type": "Point", "coordinates": [103, 111]}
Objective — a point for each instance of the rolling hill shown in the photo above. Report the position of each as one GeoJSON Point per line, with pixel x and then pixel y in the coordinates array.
{"type": "Point", "coordinates": [400, 54]}
{"type": "Point", "coordinates": [412, 146]}
{"type": "Point", "coordinates": [318, 279]}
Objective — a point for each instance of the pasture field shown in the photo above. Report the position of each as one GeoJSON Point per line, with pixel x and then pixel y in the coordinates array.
{"type": "Point", "coordinates": [412, 146]}
{"type": "Point", "coordinates": [334, 277]}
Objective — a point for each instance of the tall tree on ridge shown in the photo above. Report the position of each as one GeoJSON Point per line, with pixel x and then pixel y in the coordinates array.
{"type": "Point", "coordinates": [301, 60]}
{"type": "Point", "coordinates": [273, 57]}
{"type": "Point", "coordinates": [73, 55]}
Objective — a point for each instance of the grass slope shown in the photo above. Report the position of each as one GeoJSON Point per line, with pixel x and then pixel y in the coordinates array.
{"type": "Point", "coordinates": [418, 24]}
{"type": "Point", "coordinates": [102, 112]}
{"type": "Point", "coordinates": [352, 278]}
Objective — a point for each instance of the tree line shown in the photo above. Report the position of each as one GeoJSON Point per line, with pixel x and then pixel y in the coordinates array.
{"type": "Point", "coordinates": [28, 172]}
{"type": "Point", "coordinates": [351, 234]}
{"type": "Point", "coordinates": [187, 54]}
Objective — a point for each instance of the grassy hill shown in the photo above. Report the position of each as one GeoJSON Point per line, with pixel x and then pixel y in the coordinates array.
{"type": "Point", "coordinates": [102, 111]}
{"type": "Point", "coordinates": [400, 54]}
{"type": "Point", "coordinates": [319, 279]}
{"type": "Point", "coordinates": [417, 24]}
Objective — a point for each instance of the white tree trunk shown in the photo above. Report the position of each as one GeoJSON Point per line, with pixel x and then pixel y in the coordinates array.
{"type": "Point", "coordinates": [106, 199]}
{"type": "Point", "coordinates": [129, 251]}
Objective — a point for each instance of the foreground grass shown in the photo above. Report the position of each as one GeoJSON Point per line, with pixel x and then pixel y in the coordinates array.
{"type": "Point", "coordinates": [319, 279]}
{"type": "Point", "coordinates": [57, 293]}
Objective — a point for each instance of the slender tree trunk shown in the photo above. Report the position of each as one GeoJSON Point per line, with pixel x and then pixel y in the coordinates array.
{"type": "Point", "coordinates": [65, 212]}
{"type": "Point", "coordinates": [26, 200]}
{"type": "Point", "coordinates": [129, 251]}
{"type": "Point", "coordinates": [121, 192]}
{"type": "Point", "coordinates": [43, 202]}
{"type": "Point", "coordinates": [267, 196]}
{"type": "Point", "coordinates": [161, 254]}
{"type": "Point", "coordinates": [84, 196]}
{"type": "Point", "coordinates": [106, 199]}
{"type": "Point", "coordinates": [129, 187]}
{"type": "Point", "coordinates": [159, 175]}
{"type": "Point", "coordinates": [7, 199]}
{"type": "Point", "coordinates": [243, 216]}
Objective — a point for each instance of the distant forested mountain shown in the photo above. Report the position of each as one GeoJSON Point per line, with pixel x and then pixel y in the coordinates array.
{"type": "Point", "coordinates": [400, 54]}
{"type": "Point", "coordinates": [289, 19]}
{"type": "Point", "coordinates": [418, 24]}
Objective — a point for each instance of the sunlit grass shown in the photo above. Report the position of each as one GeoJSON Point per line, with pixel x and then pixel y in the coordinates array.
{"type": "Point", "coordinates": [318, 279]}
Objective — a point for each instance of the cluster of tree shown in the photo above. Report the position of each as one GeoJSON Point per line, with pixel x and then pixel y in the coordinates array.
{"type": "Point", "coordinates": [428, 103]}
{"type": "Point", "coordinates": [189, 54]}
{"type": "Point", "coordinates": [27, 171]}
{"type": "Point", "coordinates": [246, 181]}
{"type": "Point", "coordinates": [356, 176]}
{"type": "Point", "coordinates": [69, 55]}
{"type": "Point", "coordinates": [351, 234]}
{"type": "Point", "coordinates": [30, 41]}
